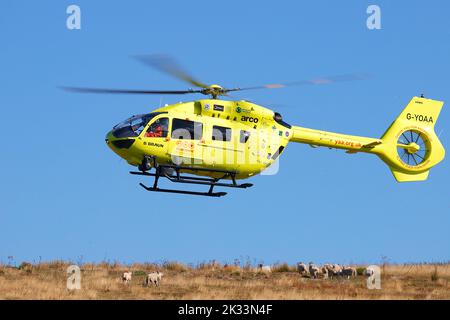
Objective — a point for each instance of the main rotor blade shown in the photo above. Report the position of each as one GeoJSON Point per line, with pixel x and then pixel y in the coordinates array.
{"type": "Point", "coordinates": [316, 81]}
{"type": "Point", "coordinates": [126, 91]}
{"type": "Point", "coordinates": [167, 64]}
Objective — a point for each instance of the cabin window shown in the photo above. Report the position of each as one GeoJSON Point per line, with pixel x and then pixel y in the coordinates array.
{"type": "Point", "coordinates": [221, 133]}
{"type": "Point", "coordinates": [158, 129]}
{"type": "Point", "coordinates": [244, 136]}
{"type": "Point", "coordinates": [186, 129]}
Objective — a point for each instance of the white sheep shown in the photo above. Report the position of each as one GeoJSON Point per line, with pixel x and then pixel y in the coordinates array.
{"type": "Point", "coordinates": [126, 277]}
{"type": "Point", "coordinates": [153, 278]}
{"type": "Point", "coordinates": [265, 269]}
{"type": "Point", "coordinates": [302, 268]}
{"type": "Point", "coordinates": [333, 270]}
{"type": "Point", "coordinates": [337, 267]}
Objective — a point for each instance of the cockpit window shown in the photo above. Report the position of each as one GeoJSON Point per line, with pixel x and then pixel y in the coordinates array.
{"type": "Point", "coordinates": [158, 129]}
{"type": "Point", "coordinates": [133, 126]}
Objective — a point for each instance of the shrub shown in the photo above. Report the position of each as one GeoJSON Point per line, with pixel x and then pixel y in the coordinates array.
{"type": "Point", "coordinates": [211, 265]}
{"type": "Point", "coordinates": [231, 268]}
{"type": "Point", "coordinates": [360, 271]}
{"type": "Point", "coordinates": [284, 267]}
{"type": "Point", "coordinates": [174, 266]}
{"type": "Point", "coordinates": [26, 266]}
{"type": "Point", "coordinates": [57, 264]}
{"type": "Point", "coordinates": [434, 275]}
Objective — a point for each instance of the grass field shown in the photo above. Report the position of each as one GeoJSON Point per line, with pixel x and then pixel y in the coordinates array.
{"type": "Point", "coordinates": [212, 281]}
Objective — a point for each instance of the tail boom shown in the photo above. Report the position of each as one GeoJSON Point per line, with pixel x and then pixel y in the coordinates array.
{"type": "Point", "coordinates": [410, 146]}
{"type": "Point", "coordinates": [317, 138]}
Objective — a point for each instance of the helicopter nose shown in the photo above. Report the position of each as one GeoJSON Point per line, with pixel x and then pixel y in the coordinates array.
{"type": "Point", "coordinates": [123, 148]}
{"type": "Point", "coordinates": [108, 138]}
{"type": "Point", "coordinates": [118, 143]}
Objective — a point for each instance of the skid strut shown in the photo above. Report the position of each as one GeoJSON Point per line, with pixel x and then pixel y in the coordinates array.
{"type": "Point", "coordinates": [161, 172]}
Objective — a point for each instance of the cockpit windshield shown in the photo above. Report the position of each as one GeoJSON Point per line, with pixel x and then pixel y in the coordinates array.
{"type": "Point", "coordinates": [133, 126]}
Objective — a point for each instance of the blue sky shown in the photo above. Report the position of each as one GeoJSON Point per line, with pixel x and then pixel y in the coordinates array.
{"type": "Point", "coordinates": [65, 195]}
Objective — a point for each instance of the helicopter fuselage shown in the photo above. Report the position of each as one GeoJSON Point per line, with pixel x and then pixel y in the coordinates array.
{"type": "Point", "coordinates": [216, 134]}
{"type": "Point", "coordinates": [243, 139]}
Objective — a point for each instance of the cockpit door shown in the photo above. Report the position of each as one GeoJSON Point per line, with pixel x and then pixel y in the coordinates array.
{"type": "Point", "coordinates": [156, 137]}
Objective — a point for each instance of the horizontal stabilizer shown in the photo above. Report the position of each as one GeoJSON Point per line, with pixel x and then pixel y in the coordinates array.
{"type": "Point", "coordinates": [408, 177]}
{"type": "Point", "coordinates": [372, 144]}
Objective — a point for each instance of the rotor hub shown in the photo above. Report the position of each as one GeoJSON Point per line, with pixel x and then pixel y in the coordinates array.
{"type": "Point", "coordinates": [413, 147]}
{"type": "Point", "coordinates": [214, 90]}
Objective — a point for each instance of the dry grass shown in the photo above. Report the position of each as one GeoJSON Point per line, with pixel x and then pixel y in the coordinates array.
{"type": "Point", "coordinates": [215, 281]}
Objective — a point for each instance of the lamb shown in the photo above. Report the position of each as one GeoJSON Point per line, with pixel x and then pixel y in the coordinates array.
{"type": "Point", "coordinates": [153, 278]}
{"type": "Point", "coordinates": [126, 277]}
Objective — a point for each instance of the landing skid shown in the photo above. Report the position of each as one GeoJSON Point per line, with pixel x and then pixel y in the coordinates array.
{"type": "Point", "coordinates": [161, 172]}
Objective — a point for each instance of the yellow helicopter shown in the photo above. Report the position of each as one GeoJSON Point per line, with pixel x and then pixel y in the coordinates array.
{"type": "Point", "coordinates": [215, 142]}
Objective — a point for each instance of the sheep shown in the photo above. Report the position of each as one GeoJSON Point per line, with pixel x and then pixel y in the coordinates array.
{"type": "Point", "coordinates": [126, 277]}
{"type": "Point", "coordinates": [333, 270]}
{"type": "Point", "coordinates": [153, 278]}
{"type": "Point", "coordinates": [337, 268]}
{"type": "Point", "coordinates": [328, 266]}
{"type": "Point", "coordinates": [348, 272]}
{"type": "Point", "coordinates": [313, 270]}
{"type": "Point", "coordinates": [302, 268]}
{"type": "Point", "coordinates": [324, 271]}
{"type": "Point", "coordinates": [265, 269]}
